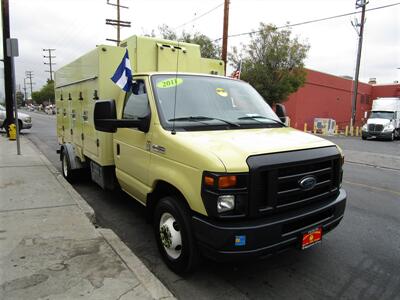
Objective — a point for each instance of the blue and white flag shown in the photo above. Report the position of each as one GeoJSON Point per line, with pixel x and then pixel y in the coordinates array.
{"type": "Point", "coordinates": [123, 75]}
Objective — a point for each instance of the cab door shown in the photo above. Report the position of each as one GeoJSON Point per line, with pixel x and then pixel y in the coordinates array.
{"type": "Point", "coordinates": [131, 145]}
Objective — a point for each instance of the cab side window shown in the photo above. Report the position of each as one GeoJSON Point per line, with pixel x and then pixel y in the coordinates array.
{"type": "Point", "coordinates": [136, 102]}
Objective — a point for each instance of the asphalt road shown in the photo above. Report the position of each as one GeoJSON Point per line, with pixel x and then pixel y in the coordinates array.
{"type": "Point", "coordinates": [360, 259]}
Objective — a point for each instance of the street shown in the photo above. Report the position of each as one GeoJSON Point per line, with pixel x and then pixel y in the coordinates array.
{"type": "Point", "coordinates": [360, 259]}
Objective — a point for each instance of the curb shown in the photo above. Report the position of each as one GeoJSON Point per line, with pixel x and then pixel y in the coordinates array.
{"type": "Point", "coordinates": [152, 284]}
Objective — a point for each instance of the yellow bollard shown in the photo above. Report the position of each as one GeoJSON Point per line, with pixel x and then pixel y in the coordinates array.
{"type": "Point", "coordinates": [305, 127]}
{"type": "Point", "coordinates": [315, 129]}
{"type": "Point", "coordinates": [351, 131]}
{"type": "Point", "coordinates": [357, 130]}
{"type": "Point", "coordinates": [12, 131]}
{"type": "Point", "coordinates": [336, 129]}
{"type": "Point", "coordinates": [346, 131]}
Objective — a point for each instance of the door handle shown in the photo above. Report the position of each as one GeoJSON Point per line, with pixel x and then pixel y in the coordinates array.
{"type": "Point", "coordinates": [118, 149]}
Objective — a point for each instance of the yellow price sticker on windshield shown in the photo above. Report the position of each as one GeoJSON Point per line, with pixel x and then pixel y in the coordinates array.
{"type": "Point", "coordinates": [170, 82]}
{"type": "Point", "coordinates": [221, 92]}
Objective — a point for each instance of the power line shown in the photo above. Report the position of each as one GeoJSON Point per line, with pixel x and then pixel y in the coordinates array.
{"type": "Point", "coordinates": [202, 15]}
{"type": "Point", "coordinates": [312, 21]}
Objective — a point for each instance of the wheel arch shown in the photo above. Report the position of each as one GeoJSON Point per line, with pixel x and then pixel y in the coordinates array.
{"type": "Point", "coordinates": [162, 189]}
{"type": "Point", "coordinates": [69, 149]}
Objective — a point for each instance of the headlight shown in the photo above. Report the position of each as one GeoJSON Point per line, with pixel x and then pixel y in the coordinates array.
{"type": "Point", "coordinates": [365, 127]}
{"type": "Point", "coordinates": [225, 203]}
{"type": "Point", "coordinates": [27, 119]}
{"type": "Point", "coordinates": [388, 127]}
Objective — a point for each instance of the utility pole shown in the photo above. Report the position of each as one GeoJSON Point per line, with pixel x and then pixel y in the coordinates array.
{"type": "Point", "coordinates": [359, 4]}
{"type": "Point", "coordinates": [7, 64]}
{"type": "Point", "coordinates": [25, 97]}
{"type": "Point", "coordinates": [50, 63]}
{"type": "Point", "coordinates": [118, 23]}
{"type": "Point", "coordinates": [225, 34]}
{"type": "Point", "coordinates": [29, 75]}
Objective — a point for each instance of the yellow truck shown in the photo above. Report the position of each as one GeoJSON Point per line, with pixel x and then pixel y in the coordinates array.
{"type": "Point", "coordinates": [218, 171]}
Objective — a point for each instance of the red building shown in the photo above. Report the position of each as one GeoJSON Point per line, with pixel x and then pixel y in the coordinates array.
{"type": "Point", "coordinates": [329, 96]}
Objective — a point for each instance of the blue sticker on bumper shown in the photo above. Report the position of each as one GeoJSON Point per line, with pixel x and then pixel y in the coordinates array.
{"type": "Point", "coordinates": [240, 240]}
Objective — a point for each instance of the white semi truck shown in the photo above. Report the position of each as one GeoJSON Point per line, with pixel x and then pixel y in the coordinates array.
{"type": "Point", "coordinates": [384, 119]}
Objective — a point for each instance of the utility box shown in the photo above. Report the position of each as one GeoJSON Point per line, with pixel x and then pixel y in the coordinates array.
{"type": "Point", "coordinates": [324, 125]}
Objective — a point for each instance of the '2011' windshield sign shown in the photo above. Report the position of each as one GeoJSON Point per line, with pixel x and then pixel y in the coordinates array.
{"type": "Point", "coordinates": [170, 82]}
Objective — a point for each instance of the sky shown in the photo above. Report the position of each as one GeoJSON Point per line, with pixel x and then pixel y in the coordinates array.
{"type": "Point", "coordinates": [74, 27]}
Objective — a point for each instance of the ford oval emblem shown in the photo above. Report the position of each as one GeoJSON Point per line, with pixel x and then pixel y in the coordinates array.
{"type": "Point", "coordinates": [307, 183]}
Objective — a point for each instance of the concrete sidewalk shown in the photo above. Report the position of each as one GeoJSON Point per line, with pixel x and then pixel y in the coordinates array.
{"type": "Point", "coordinates": [49, 247]}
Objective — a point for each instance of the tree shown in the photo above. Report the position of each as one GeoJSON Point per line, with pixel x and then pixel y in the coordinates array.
{"type": "Point", "coordinates": [208, 49]}
{"type": "Point", "coordinates": [45, 94]}
{"type": "Point", "coordinates": [273, 62]}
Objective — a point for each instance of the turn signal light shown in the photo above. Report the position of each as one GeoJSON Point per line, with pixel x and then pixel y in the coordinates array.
{"type": "Point", "coordinates": [208, 180]}
{"type": "Point", "coordinates": [227, 181]}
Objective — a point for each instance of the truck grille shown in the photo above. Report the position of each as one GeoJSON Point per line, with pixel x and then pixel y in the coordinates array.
{"type": "Point", "coordinates": [375, 127]}
{"type": "Point", "coordinates": [275, 179]}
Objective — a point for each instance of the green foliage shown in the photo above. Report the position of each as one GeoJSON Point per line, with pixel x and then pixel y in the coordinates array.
{"type": "Point", "coordinates": [208, 49]}
{"type": "Point", "coordinates": [273, 63]}
{"type": "Point", "coordinates": [45, 94]}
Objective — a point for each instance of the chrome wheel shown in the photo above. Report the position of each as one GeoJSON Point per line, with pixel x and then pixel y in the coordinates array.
{"type": "Point", "coordinates": [170, 235]}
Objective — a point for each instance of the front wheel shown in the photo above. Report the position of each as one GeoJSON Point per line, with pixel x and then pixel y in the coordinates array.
{"type": "Point", "coordinates": [174, 235]}
{"type": "Point", "coordinates": [392, 136]}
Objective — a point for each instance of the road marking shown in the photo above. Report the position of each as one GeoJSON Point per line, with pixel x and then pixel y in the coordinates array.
{"type": "Point", "coordinates": [397, 193]}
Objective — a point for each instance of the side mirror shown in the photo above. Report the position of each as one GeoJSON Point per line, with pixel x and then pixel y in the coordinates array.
{"type": "Point", "coordinates": [280, 111]}
{"type": "Point", "coordinates": [105, 118]}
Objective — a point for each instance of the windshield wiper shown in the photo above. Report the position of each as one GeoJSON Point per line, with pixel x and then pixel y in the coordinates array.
{"type": "Point", "coordinates": [203, 118]}
{"type": "Point", "coordinates": [261, 117]}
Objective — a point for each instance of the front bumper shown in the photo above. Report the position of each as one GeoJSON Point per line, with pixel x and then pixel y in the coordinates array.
{"type": "Point", "coordinates": [378, 134]}
{"type": "Point", "coordinates": [267, 235]}
{"type": "Point", "coordinates": [26, 125]}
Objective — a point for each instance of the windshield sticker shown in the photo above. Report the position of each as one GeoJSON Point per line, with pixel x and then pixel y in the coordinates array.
{"type": "Point", "coordinates": [170, 82]}
{"type": "Point", "coordinates": [221, 92]}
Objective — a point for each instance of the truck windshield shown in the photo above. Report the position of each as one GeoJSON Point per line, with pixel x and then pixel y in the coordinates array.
{"type": "Point", "coordinates": [382, 115]}
{"type": "Point", "coordinates": [204, 102]}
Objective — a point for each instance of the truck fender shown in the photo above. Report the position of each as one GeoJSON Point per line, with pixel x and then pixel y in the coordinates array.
{"type": "Point", "coordinates": [75, 162]}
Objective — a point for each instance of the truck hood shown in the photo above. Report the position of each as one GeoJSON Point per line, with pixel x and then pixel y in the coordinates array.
{"type": "Point", "coordinates": [378, 121]}
{"type": "Point", "coordinates": [233, 147]}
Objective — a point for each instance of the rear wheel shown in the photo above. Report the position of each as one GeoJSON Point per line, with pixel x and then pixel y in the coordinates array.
{"type": "Point", "coordinates": [174, 235]}
{"type": "Point", "coordinates": [66, 167]}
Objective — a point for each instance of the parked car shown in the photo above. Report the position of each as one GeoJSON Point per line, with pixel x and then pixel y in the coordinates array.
{"type": "Point", "coordinates": [24, 120]}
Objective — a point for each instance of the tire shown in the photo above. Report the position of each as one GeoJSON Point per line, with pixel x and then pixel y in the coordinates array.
{"type": "Point", "coordinates": [174, 236]}
{"type": "Point", "coordinates": [66, 171]}
{"type": "Point", "coordinates": [392, 136]}
{"type": "Point", "coordinates": [363, 137]}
